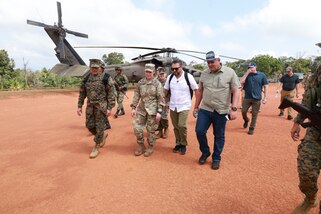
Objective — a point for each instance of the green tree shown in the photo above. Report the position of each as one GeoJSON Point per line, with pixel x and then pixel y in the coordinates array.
{"type": "Point", "coordinates": [269, 65]}
{"type": "Point", "coordinates": [113, 58]}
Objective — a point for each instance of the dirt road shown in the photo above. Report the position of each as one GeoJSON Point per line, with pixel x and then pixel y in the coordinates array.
{"type": "Point", "coordinates": [44, 164]}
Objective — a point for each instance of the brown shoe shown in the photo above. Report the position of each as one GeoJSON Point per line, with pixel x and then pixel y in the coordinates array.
{"type": "Point", "coordinates": [94, 153]}
{"type": "Point", "coordinates": [104, 139]}
{"type": "Point", "coordinates": [165, 135]}
{"type": "Point", "coordinates": [159, 134]}
{"type": "Point", "coordinates": [149, 151]}
{"type": "Point", "coordinates": [140, 149]}
{"type": "Point", "coordinates": [305, 206]}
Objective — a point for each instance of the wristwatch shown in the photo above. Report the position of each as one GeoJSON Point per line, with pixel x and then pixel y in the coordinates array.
{"type": "Point", "coordinates": [234, 109]}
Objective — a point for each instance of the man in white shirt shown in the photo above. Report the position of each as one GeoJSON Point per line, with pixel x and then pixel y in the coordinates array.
{"type": "Point", "coordinates": [180, 87]}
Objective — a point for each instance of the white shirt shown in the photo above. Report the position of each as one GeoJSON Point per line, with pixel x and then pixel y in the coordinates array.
{"type": "Point", "coordinates": [180, 96]}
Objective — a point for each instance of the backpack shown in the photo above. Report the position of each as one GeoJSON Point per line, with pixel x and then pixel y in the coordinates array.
{"type": "Point", "coordinates": [105, 79]}
{"type": "Point", "coordinates": [187, 81]}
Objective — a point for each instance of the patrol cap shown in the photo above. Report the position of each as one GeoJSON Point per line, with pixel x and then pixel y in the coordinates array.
{"type": "Point", "coordinates": [102, 64]}
{"type": "Point", "coordinates": [149, 67]}
{"type": "Point", "coordinates": [251, 65]}
{"type": "Point", "coordinates": [161, 70]}
{"type": "Point", "coordinates": [210, 56]}
{"type": "Point", "coordinates": [94, 63]}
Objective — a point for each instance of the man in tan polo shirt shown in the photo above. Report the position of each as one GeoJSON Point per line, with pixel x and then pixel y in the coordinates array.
{"type": "Point", "coordinates": [216, 86]}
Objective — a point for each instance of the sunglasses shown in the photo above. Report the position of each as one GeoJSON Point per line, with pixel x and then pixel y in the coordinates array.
{"type": "Point", "coordinates": [175, 69]}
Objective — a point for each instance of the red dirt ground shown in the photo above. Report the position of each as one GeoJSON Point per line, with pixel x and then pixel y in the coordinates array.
{"type": "Point", "coordinates": [45, 168]}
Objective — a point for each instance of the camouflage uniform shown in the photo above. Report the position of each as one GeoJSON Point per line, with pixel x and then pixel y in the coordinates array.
{"type": "Point", "coordinates": [99, 100]}
{"type": "Point", "coordinates": [309, 150]}
{"type": "Point", "coordinates": [148, 98]}
{"type": "Point", "coordinates": [120, 81]}
{"type": "Point", "coordinates": [163, 123]}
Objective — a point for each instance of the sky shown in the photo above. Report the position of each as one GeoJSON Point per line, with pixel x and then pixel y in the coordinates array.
{"type": "Point", "coordinates": [241, 29]}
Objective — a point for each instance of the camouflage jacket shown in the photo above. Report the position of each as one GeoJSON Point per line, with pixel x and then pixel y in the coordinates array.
{"type": "Point", "coordinates": [311, 96]}
{"type": "Point", "coordinates": [97, 92]}
{"type": "Point", "coordinates": [121, 80]}
{"type": "Point", "coordinates": [148, 96]}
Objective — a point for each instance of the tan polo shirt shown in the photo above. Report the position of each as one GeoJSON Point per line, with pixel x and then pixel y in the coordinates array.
{"type": "Point", "coordinates": [217, 89]}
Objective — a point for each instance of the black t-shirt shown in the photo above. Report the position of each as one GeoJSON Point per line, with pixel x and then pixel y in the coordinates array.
{"type": "Point", "coordinates": [288, 82]}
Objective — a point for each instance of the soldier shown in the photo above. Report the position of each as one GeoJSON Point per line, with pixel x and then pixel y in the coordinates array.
{"type": "Point", "coordinates": [111, 85]}
{"type": "Point", "coordinates": [147, 106]}
{"type": "Point", "coordinates": [163, 123]}
{"type": "Point", "coordinates": [309, 150]}
{"type": "Point", "coordinates": [98, 88]}
{"type": "Point", "coordinates": [121, 82]}
{"type": "Point", "coordinates": [305, 81]}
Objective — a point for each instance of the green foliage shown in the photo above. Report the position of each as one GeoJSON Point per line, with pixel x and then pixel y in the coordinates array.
{"type": "Point", "coordinates": [200, 67]}
{"type": "Point", "coordinates": [269, 65]}
{"type": "Point", "coordinates": [113, 58]}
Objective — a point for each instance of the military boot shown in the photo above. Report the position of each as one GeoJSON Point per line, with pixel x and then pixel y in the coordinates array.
{"type": "Point", "coordinates": [305, 206]}
{"type": "Point", "coordinates": [159, 134]}
{"type": "Point", "coordinates": [140, 149]}
{"type": "Point", "coordinates": [149, 151]}
{"type": "Point", "coordinates": [104, 139]}
{"type": "Point", "coordinates": [117, 112]}
{"type": "Point", "coordinates": [121, 112]}
{"type": "Point", "coordinates": [165, 135]}
{"type": "Point", "coordinates": [94, 153]}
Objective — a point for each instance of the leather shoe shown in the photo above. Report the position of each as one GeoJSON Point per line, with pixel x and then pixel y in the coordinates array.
{"type": "Point", "coordinates": [246, 123]}
{"type": "Point", "coordinates": [203, 158]}
{"type": "Point", "coordinates": [216, 164]}
{"type": "Point", "coordinates": [183, 150]}
{"type": "Point", "coordinates": [177, 148]}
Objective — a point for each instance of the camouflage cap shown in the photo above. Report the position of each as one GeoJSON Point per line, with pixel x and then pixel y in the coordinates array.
{"type": "Point", "coordinates": [117, 68]}
{"type": "Point", "coordinates": [94, 63]}
{"type": "Point", "coordinates": [102, 64]}
{"type": "Point", "coordinates": [149, 67]}
{"type": "Point", "coordinates": [161, 70]}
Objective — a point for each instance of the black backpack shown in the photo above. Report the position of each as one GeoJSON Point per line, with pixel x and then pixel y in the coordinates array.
{"type": "Point", "coordinates": [105, 78]}
{"type": "Point", "coordinates": [187, 81]}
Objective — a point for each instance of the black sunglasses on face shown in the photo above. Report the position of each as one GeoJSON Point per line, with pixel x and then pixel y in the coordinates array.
{"type": "Point", "coordinates": [175, 69]}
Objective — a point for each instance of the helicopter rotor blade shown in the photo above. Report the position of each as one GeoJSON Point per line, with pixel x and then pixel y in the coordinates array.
{"type": "Point", "coordinates": [148, 54]}
{"type": "Point", "coordinates": [76, 33]}
{"type": "Point", "coordinates": [115, 46]}
{"type": "Point", "coordinates": [61, 48]}
{"type": "Point", "coordinates": [30, 22]}
{"type": "Point", "coordinates": [199, 52]}
{"type": "Point", "coordinates": [59, 14]}
{"type": "Point", "coordinates": [191, 55]}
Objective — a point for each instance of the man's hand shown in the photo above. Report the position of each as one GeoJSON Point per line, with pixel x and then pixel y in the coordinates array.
{"type": "Point", "coordinates": [295, 131]}
{"type": "Point", "coordinates": [264, 101]}
{"type": "Point", "coordinates": [133, 112]}
{"type": "Point", "coordinates": [232, 115]}
{"type": "Point", "coordinates": [158, 116]}
{"type": "Point", "coordinates": [79, 111]}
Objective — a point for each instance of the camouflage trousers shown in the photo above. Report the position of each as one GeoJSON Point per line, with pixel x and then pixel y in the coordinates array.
{"type": "Point", "coordinates": [120, 98]}
{"type": "Point", "coordinates": [95, 122]}
{"type": "Point", "coordinates": [309, 162]}
{"type": "Point", "coordinates": [163, 123]}
{"type": "Point", "coordinates": [143, 120]}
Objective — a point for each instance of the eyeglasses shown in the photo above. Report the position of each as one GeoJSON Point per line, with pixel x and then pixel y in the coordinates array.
{"type": "Point", "coordinates": [175, 69]}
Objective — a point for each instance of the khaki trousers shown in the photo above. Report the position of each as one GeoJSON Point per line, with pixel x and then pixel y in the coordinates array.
{"type": "Point", "coordinates": [290, 95]}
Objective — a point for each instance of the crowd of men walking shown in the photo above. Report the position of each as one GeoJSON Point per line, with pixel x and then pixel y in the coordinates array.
{"type": "Point", "coordinates": [216, 99]}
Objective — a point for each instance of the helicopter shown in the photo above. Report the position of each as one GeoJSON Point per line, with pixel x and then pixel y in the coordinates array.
{"type": "Point", "coordinates": [71, 64]}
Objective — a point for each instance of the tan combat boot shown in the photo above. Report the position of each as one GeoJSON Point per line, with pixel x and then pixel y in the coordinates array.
{"type": "Point", "coordinates": [159, 134]}
{"type": "Point", "coordinates": [104, 139]}
{"type": "Point", "coordinates": [94, 153]}
{"type": "Point", "coordinates": [165, 135]}
{"type": "Point", "coordinates": [140, 149]}
{"type": "Point", "coordinates": [305, 206]}
{"type": "Point", "coordinates": [149, 151]}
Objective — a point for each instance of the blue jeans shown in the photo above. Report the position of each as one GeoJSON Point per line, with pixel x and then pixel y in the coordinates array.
{"type": "Point", "coordinates": [204, 120]}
